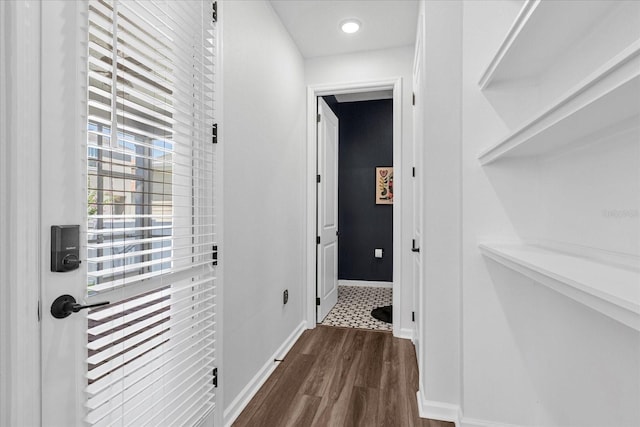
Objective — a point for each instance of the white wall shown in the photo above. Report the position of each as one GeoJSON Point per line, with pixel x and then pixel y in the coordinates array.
{"type": "Point", "coordinates": [264, 206]}
{"type": "Point", "coordinates": [531, 356]}
{"type": "Point", "coordinates": [439, 358]}
{"type": "Point", "coordinates": [369, 66]}
{"type": "Point", "coordinates": [595, 187]}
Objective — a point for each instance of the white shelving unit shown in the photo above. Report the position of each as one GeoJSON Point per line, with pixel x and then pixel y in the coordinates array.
{"type": "Point", "coordinates": [542, 31]}
{"type": "Point", "coordinates": [609, 96]}
{"type": "Point", "coordinates": [603, 103]}
{"type": "Point", "coordinates": [607, 288]}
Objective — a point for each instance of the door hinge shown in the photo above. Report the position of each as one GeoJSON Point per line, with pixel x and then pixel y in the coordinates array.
{"type": "Point", "coordinates": [318, 240]}
{"type": "Point", "coordinates": [318, 179]}
{"type": "Point", "coordinates": [214, 15]}
{"type": "Point", "coordinates": [215, 377]}
{"type": "Point", "coordinates": [413, 101]}
{"type": "Point", "coordinates": [413, 316]}
{"type": "Point", "coordinates": [214, 255]}
{"type": "Point", "coordinates": [413, 172]}
{"type": "Point", "coordinates": [319, 117]}
{"type": "Point", "coordinates": [39, 317]}
{"type": "Point", "coordinates": [317, 301]}
{"type": "Point", "coordinates": [214, 133]}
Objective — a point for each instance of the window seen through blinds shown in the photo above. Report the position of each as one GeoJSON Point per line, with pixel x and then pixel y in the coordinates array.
{"type": "Point", "coordinates": [151, 216]}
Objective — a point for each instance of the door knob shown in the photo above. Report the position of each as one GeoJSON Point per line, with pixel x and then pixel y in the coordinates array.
{"type": "Point", "coordinates": [413, 246]}
{"type": "Point", "coordinates": [64, 305]}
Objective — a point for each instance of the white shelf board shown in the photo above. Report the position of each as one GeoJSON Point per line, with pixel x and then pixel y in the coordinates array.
{"type": "Point", "coordinates": [608, 97]}
{"type": "Point", "coordinates": [542, 31]}
{"type": "Point", "coordinates": [607, 288]}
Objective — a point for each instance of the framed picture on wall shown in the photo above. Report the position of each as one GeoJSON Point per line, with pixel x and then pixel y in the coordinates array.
{"type": "Point", "coordinates": [384, 185]}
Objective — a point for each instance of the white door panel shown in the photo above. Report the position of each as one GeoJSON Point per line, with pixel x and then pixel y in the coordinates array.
{"type": "Point", "coordinates": [139, 184]}
{"type": "Point", "coordinates": [327, 280]}
{"type": "Point", "coordinates": [330, 253]}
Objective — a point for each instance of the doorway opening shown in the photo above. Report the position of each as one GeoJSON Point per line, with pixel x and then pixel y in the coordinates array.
{"type": "Point", "coordinates": [364, 260]}
{"type": "Point", "coordinates": [364, 234]}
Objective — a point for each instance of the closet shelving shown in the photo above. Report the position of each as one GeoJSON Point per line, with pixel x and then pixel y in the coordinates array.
{"type": "Point", "coordinates": [613, 290]}
{"type": "Point", "coordinates": [606, 98]}
{"type": "Point", "coordinates": [542, 32]}
{"type": "Point", "coordinates": [604, 102]}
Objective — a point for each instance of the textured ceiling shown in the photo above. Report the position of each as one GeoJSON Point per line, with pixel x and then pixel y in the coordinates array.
{"type": "Point", "coordinates": [314, 25]}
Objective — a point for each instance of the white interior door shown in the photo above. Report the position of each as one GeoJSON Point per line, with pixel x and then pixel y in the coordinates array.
{"type": "Point", "coordinates": [327, 280]}
{"type": "Point", "coordinates": [127, 156]}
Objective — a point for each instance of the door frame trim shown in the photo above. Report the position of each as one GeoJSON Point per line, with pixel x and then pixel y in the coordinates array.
{"type": "Point", "coordinates": [313, 91]}
{"type": "Point", "coordinates": [20, 213]}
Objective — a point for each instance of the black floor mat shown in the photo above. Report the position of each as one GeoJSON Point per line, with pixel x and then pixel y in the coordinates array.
{"type": "Point", "coordinates": [384, 314]}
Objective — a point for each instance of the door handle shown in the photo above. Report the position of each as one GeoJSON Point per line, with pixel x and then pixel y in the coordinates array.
{"type": "Point", "coordinates": [64, 305]}
{"type": "Point", "coordinates": [413, 246]}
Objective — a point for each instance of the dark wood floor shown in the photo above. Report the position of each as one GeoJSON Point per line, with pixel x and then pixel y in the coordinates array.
{"type": "Point", "coordinates": [341, 377]}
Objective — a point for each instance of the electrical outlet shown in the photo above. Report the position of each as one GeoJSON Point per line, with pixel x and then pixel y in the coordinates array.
{"type": "Point", "coordinates": [285, 296]}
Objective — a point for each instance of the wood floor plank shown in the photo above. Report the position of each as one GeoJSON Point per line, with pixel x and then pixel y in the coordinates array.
{"type": "Point", "coordinates": [408, 379]}
{"type": "Point", "coordinates": [358, 339]}
{"type": "Point", "coordinates": [325, 365]}
{"type": "Point", "coordinates": [302, 342]}
{"type": "Point", "coordinates": [335, 403]}
{"type": "Point", "coordinates": [254, 404]}
{"type": "Point", "coordinates": [389, 371]}
{"type": "Point", "coordinates": [408, 388]}
{"type": "Point", "coordinates": [390, 404]}
{"type": "Point", "coordinates": [346, 365]}
{"type": "Point", "coordinates": [335, 377]}
{"type": "Point", "coordinates": [273, 409]}
{"type": "Point", "coordinates": [362, 410]}
{"type": "Point", "coordinates": [372, 360]}
{"type": "Point", "coordinates": [265, 390]}
{"type": "Point", "coordinates": [314, 344]}
{"type": "Point", "coordinates": [410, 362]}
{"type": "Point", "coordinates": [303, 410]}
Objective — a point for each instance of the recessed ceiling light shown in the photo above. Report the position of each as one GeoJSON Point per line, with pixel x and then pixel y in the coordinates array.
{"type": "Point", "coordinates": [350, 26]}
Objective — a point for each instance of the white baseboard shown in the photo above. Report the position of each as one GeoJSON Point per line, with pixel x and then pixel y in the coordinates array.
{"type": "Point", "coordinates": [447, 412]}
{"type": "Point", "coordinates": [365, 283]}
{"type": "Point", "coordinates": [475, 422]}
{"type": "Point", "coordinates": [250, 390]}
{"type": "Point", "coordinates": [438, 410]}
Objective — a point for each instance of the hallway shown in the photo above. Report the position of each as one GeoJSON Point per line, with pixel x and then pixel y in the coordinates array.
{"type": "Point", "coordinates": [164, 161]}
{"type": "Point", "coordinates": [341, 377]}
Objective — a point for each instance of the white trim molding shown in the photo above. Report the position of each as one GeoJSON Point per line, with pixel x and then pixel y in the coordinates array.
{"type": "Point", "coordinates": [476, 422]}
{"type": "Point", "coordinates": [313, 92]}
{"type": "Point", "coordinates": [438, 410]}
{"type": "Point", "coordinates": [20, 39]}
{"type": "Point", "coordinates": [365, 283]}
{"type": "Point", "coordinates": [249, 391]}
{"type": "Point", "coordinates": [218, 416]}
{"type": "Point", "coordinates": [443, 411]}
{"type": "Point", "coordinates": [407, 333]}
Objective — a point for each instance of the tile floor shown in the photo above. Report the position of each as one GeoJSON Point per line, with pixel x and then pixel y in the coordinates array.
{"type": "Point", "coordinates": [354, 306]}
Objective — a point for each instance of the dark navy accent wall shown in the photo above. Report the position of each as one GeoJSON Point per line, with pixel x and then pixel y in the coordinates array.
{"type": "Point", "coordinates": [366, 141]}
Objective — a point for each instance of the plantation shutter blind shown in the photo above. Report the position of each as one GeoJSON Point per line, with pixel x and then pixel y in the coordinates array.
{"type": "Point", "coordinates": [151, 212]}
